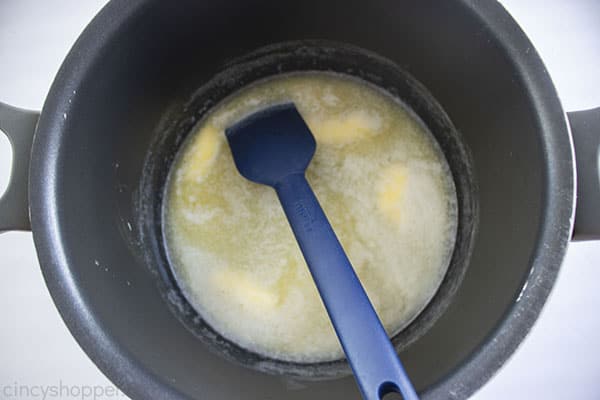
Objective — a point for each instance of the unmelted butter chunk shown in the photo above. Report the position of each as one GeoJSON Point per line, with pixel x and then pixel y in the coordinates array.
{"type": "Point", "coordinates": [202, 153]}
{"type": "Point", "coordinates": [245, 291]}
{"type": "Point", "coordinates": [346, 128]}
{"type": "Point", "coordinates": [392, 184]}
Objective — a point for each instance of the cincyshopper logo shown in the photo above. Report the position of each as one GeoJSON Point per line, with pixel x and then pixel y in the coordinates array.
{"type": "Point", "coordinates": [60, 390]}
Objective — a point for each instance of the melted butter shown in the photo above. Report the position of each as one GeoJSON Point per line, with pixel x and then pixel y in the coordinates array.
{"type": "Point", "coordinates": [382, 182]}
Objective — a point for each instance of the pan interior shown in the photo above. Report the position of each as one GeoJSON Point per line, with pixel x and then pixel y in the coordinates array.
{"type": "Point", "coordinates": [297, 58]}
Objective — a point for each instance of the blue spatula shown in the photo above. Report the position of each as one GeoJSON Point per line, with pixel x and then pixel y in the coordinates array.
{"type": "Point", "coordinates": [273, 147]}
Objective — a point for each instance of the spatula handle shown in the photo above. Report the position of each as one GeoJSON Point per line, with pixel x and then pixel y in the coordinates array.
{"type": "Point", "coordinates": [372, 357]}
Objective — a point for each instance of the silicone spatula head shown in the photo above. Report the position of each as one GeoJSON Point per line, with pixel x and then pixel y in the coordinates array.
{"type": "Point", "coordinates": [271, 144]}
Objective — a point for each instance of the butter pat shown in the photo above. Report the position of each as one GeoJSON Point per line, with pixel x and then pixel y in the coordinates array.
{"type": "Point", "coordinates": [245, 291]}
{"type": "Point", "coordinates": [346, 128]}
{"type": "Point", "coordinates": [392, 185]}
{"type": "Point", "coordinates": [203, 153]}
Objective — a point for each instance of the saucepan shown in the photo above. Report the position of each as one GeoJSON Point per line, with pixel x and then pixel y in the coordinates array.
{"type": "Point", "coordinates": [88, 170]}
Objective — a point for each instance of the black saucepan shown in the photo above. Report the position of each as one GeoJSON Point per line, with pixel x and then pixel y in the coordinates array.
{"type": "Point", "coordinates": [87, 180]}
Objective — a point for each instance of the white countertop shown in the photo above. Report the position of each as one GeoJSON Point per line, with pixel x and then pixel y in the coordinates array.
{"type": "Point", "coordinates": [559, 360]}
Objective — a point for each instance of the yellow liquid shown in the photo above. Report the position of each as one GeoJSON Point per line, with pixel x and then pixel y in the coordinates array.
{"type": "Point", "coordinates": [380, 178]}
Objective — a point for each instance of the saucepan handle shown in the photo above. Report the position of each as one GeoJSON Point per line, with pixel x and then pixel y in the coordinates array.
{"type": "Point", "coordinates": [585, 127]}
{"type": "Point", "coordinates": [19, 125]}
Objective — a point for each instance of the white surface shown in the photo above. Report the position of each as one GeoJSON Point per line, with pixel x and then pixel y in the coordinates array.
{"type": "Point", "coordinates": [559, 360]}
